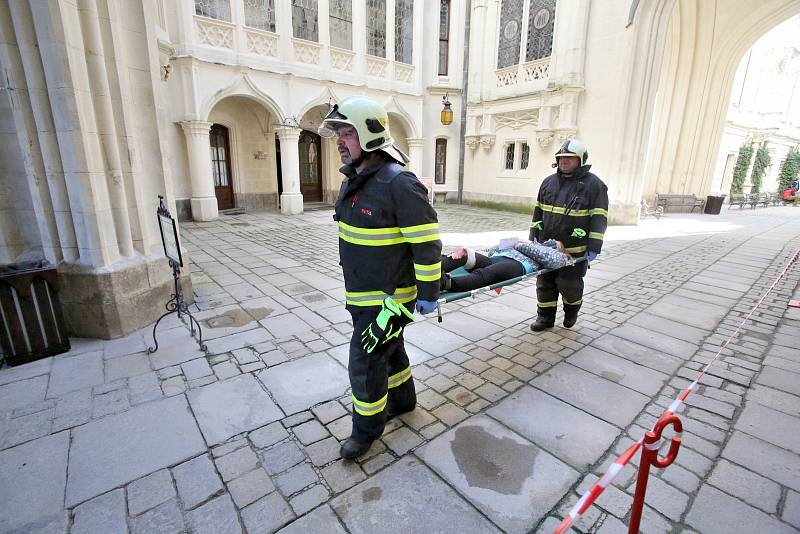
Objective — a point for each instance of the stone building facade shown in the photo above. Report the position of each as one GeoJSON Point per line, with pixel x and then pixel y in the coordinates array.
{"type": "Point", "coordinates": [214, 104]}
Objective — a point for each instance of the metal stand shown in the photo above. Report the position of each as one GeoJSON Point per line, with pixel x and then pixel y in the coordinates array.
{"type": "Point", "coordinates": [176, 304]}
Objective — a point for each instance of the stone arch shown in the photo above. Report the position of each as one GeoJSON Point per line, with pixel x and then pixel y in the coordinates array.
{"type": "Point", "coordinates": [394, 108]}
{"type": "Point", "coordinates": [242, 86]}
{"type": "Point", "coordinates": [705, 42]}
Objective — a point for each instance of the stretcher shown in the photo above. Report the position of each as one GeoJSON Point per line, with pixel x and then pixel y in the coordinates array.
{"type": "Point", "coordinates": [451, 296]}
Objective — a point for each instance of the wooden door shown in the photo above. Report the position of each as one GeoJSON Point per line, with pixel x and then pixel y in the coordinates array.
{"type": "Point", "coordinates": [310, 148]}
{"type": "Point", "coordinates": [221, 166]}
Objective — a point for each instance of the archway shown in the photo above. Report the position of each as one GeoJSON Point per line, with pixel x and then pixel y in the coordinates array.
{"type": "Point", "coordinates": [705, 42]}
{"type": "Point", "coordinates": [319, 160]}
{"type": "Point", "coordinates": [251, 158]}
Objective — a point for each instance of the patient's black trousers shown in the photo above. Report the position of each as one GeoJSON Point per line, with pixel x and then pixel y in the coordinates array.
{"type": "Point", "coordinates": [487, 271]}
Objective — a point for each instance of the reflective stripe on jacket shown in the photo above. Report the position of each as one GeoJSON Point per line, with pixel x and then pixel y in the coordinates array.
{"type": "Point", "coordinates": [572, 210]}
{"type": "Point", "coordinates": [388, 237]}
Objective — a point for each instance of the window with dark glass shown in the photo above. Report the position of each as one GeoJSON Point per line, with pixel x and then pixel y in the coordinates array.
{"type": "Point", "coordinates": [260, 14]}
{"type": "Point", "coordinates": [304, 19]}
{"type": "Point", "coordinates": [403, 30]}
{"type": "Point", "coordinates": [541, 22]}
{"type": "Point", "coordinates": [441, 161]}
{"type": "Point", "coordinates": [444, 36]}
{"type": "Point", "coordinates": [525, 155]}
{"type": "Point", "coordinates": [509, 163]}
{"type": "Point", "coordinates": [213, 9]}
{"type": "Point", "coordinates": [510, 33]}
{"type": "Point", "coordinates": [376, 28]}
{"type": "Point", "coordinates": [341, 22]}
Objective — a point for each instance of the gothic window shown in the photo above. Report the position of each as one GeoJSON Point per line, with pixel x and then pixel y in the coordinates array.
{"type": "Point", "coordinates": [525, 156]}
{"type": "Point", "coordinates": [444, 36]}
{"type": "Point", "coordinates": [441, 161]}
{"type": "Point", "coordinates": [260, 14]}
{"type": "Point", "coordinates": [376, 28]}
{"type": "Point", "coordinates": [403, 30]}
{"type": "Point", "coordinates": [541, 21]}
{"type": "Point", "coordinates": [510, 32]}
{"type": "Point", "coordinates": [213, 9]}
{"type": "Point", "coordinates": [341, 21]}
{"type": "Point", "coordinates": [304, 19]}
{"type": "Point", "coordinates": [509, 163]}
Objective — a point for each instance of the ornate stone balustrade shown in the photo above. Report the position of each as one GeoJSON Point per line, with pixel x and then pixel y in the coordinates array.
{"type": "Point", "coordinates": [215, 33]}
{"type": "Point", "coordinates": [306, 51]}
{"type": "Point", "coordinates": [261, 42]}
{"type": "Point", "coordinates": [524, 73]}
{"type": "Point", "coordinates": [341, 59]}
{"type": "Point", "coordinates": [376, 66]}
{"type": "Point", "coordinates": [403, 72]}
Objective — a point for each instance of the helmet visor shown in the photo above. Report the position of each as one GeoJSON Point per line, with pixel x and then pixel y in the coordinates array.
{"type": "Point", "coordinates": [332, 121]}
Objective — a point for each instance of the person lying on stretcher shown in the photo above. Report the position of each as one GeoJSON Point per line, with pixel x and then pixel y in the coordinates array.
{"type": "Point", "coordinates": [508, 260]}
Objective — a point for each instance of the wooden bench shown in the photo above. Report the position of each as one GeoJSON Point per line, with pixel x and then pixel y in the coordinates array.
{"type": "Point", "coordinates": [762, 199]}
{"type": "Point", "coordinates": [739, 200]}
{"type": "Point", "coordinates": [666, 201]}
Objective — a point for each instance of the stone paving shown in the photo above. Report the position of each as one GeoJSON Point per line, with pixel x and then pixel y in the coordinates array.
{"type": "Point", "coordinates": [511, 427]}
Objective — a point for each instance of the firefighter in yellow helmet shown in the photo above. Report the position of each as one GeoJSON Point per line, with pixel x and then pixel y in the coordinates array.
{"type": "Point", "coordinates": [572, 208]}
{"type": "Point", "coordinates": [390, 251]}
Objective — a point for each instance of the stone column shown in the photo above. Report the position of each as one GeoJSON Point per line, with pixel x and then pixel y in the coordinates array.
{"type": "Point", "coordinates": [291, 198]}
{"type": "Point", "coordinates": [204, 201]}
{"type": "Point", "coordinates": [416, 151]}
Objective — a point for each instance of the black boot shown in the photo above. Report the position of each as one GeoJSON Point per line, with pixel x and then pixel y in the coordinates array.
{"type": "Point", "coordinates": [391, 413]}
{"type": "Point", "coordinates": [352, 449]}
{"type": "Point", "coordinates": [542, 323]}
{"type": "Point", "coordinates": [570, 318]}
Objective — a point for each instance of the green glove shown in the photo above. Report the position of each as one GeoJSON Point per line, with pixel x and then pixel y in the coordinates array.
{"type": "Point", "coordinates": [387, 325]}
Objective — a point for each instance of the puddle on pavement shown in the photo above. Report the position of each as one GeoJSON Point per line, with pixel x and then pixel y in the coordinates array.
{"type": "Point", "coordinates": [489, 462]}
{"type": "Point", "coordinates": [371, 494]}
{"type": "Point", "coordinates": [463, 397]}
{"type": "Point", "coordinates": [260, 313]}
{"type": "Point", "coordinates": [231, 318]}
{"type": "Point", "coordinates": [313, 297]}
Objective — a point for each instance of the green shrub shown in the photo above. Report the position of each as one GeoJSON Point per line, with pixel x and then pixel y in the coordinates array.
{"type": "Point", "coordinates": [760, 165]}
{"type": "Point", "coordinates": [790, 169]}
{"type": "Point", "coordinates": [740, 171]}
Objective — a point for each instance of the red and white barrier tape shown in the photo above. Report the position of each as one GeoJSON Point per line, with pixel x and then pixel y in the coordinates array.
{"type": "Point", "coordinates": [588, 498]}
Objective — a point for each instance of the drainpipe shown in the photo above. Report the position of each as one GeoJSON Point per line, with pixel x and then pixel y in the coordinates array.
{"type": "Point", "coordinates": [465, 75]}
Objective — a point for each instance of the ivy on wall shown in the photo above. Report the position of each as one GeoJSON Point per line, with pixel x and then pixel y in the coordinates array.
{"type": "Point", "coordinates": [790, 169]}
{"type": "Point", "coordinates": [740, 171]}
{"type": "Point", "coordinates": [763, 159]}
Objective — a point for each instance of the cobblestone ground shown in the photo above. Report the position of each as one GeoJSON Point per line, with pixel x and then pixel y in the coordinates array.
{"type": "Point", "coordinates": [511, 427]}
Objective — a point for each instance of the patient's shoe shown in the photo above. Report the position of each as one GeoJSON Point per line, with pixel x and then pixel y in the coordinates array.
{"type": "Point", "coordinates": [352, 449]}
{"type": "Point", "coordinates": [542, 323]}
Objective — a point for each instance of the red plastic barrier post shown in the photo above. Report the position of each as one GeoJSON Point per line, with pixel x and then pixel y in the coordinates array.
{"type": "Point", "coordinates": [652, 440]}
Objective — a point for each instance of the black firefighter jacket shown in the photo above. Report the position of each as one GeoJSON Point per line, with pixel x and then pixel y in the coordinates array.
{"type": "Point", "coordinates": [573, 210]}
{"type": "Point", "coordinates": [388, 237]}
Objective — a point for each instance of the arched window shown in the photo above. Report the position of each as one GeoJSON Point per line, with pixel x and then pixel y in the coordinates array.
{"type": "Point", "coordinates": [541, 22]}
{"type": "Point", "coordinates": [538, 41]}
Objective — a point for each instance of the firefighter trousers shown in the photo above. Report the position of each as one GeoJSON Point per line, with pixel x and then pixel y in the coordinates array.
{"type": "Point", "coordinates": [567, 281]}
{"type": "Point", "coordinates": [381, 381]}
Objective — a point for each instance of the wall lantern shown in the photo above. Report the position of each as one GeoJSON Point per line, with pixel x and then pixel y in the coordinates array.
{"type": "Point", "coordinates": [447, 114]}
